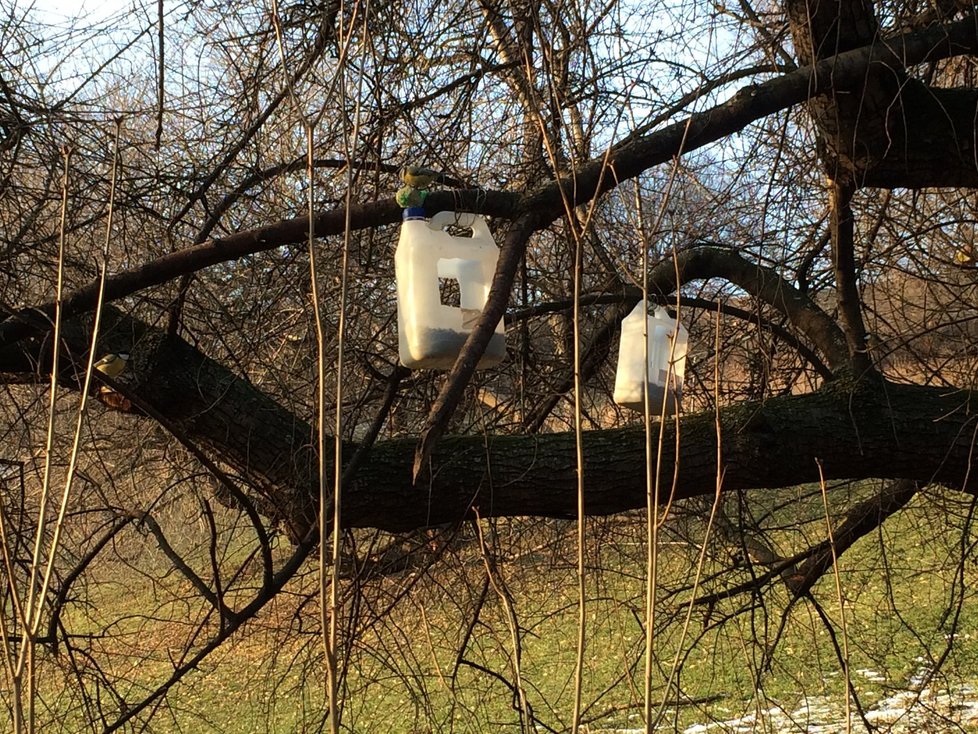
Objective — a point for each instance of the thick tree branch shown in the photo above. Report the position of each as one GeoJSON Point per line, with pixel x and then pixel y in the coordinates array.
{"type": "Point", "coordinates": [857, 430]}
{"type": "Point", "coordinates": [801, 571]}
{"type": "Point", "coordinates": [887, 129]}
{"type": "Point", "coordinates": [764, 283]}
{"type": "Point", "coordinates": [225, 249]}
{"type": "Point", "coordinates": [213, 410]}
{"type": "Point", "coordinates": [627, 160]}
{"type": "Point", "coordinates": [844, 71]}
{"type": "Point", "coordinates": [861, 520]}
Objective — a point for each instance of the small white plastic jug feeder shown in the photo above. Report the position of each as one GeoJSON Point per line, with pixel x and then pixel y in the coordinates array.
{"type": "Point", "coordinates": [428, 262]}
{"type": "Point", "coordinates": [667, 340]}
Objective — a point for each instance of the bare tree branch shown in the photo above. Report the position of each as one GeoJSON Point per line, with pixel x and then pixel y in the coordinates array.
{"type": "Point", "coordinates": [627, 160]}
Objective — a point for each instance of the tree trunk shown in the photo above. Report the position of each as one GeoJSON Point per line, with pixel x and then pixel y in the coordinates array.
{"type": "Point", "coordinates": [855, 430]}
{"type": "Point", "coordinates": [890, 130]}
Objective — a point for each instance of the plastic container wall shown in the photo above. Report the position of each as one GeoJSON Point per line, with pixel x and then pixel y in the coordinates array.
{"type": "Point", "coordinates": [666, 363]}
{"type": "Point", "coordinates": [429, 262]}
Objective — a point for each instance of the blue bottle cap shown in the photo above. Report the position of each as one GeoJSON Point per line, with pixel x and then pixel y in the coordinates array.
{"type": "Point", "coordinates": [414, 212]}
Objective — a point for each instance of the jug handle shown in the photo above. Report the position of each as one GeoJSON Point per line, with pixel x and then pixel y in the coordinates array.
{"type": "Point", "coordinates": [458, 219]}
{"type": "Point", "coordinates": [480, 228]}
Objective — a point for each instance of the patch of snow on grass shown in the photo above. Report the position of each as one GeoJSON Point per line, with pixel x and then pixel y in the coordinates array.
{"type": "Point", "coordinates": [904, 712]}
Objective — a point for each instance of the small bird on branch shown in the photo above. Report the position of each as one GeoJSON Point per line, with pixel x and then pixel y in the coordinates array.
{"type": "Point", "coordinates": [419, 177]}
{"type": "Point", "coordinates": [965, 256]}
{"type": "Point", "coordinates": [112, 365]}
{"type": "Point", "coordinates": [416, 180]}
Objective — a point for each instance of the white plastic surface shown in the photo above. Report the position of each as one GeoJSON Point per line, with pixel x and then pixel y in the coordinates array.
{"type": "Point", "coordinates": [430, 333]}
{"type": "Point", "coordinates": [666, 362]}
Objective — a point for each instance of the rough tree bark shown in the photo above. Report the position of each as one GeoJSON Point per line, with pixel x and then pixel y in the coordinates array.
{"type": "Point", "coordinates": [856, 428]}
{"type": "Point", "coordinates": [888, 129]}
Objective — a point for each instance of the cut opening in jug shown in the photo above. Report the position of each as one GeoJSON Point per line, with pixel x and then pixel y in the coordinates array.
{"type": "Point", "coordinates": [456, 230]}
{"type": "Point", "coordinates": [449, 292]}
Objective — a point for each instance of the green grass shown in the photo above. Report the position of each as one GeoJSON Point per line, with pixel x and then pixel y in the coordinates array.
{"type": "Point", "coordinates": [404, 671]}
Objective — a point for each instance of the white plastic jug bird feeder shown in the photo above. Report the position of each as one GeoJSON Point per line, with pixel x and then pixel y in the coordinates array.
{"type": "Point", "coordinates": [442, 287]}
{"type": "Point", "coordinates": [667, 340]}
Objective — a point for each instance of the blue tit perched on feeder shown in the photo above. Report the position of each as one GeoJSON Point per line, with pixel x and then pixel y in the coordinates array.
{"type": "Point", "coordinates": [419, 177]}
{"type": "Point", "coordinates": [112, 365]}
{"type": "Point", "coordinates": [408, 197]}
